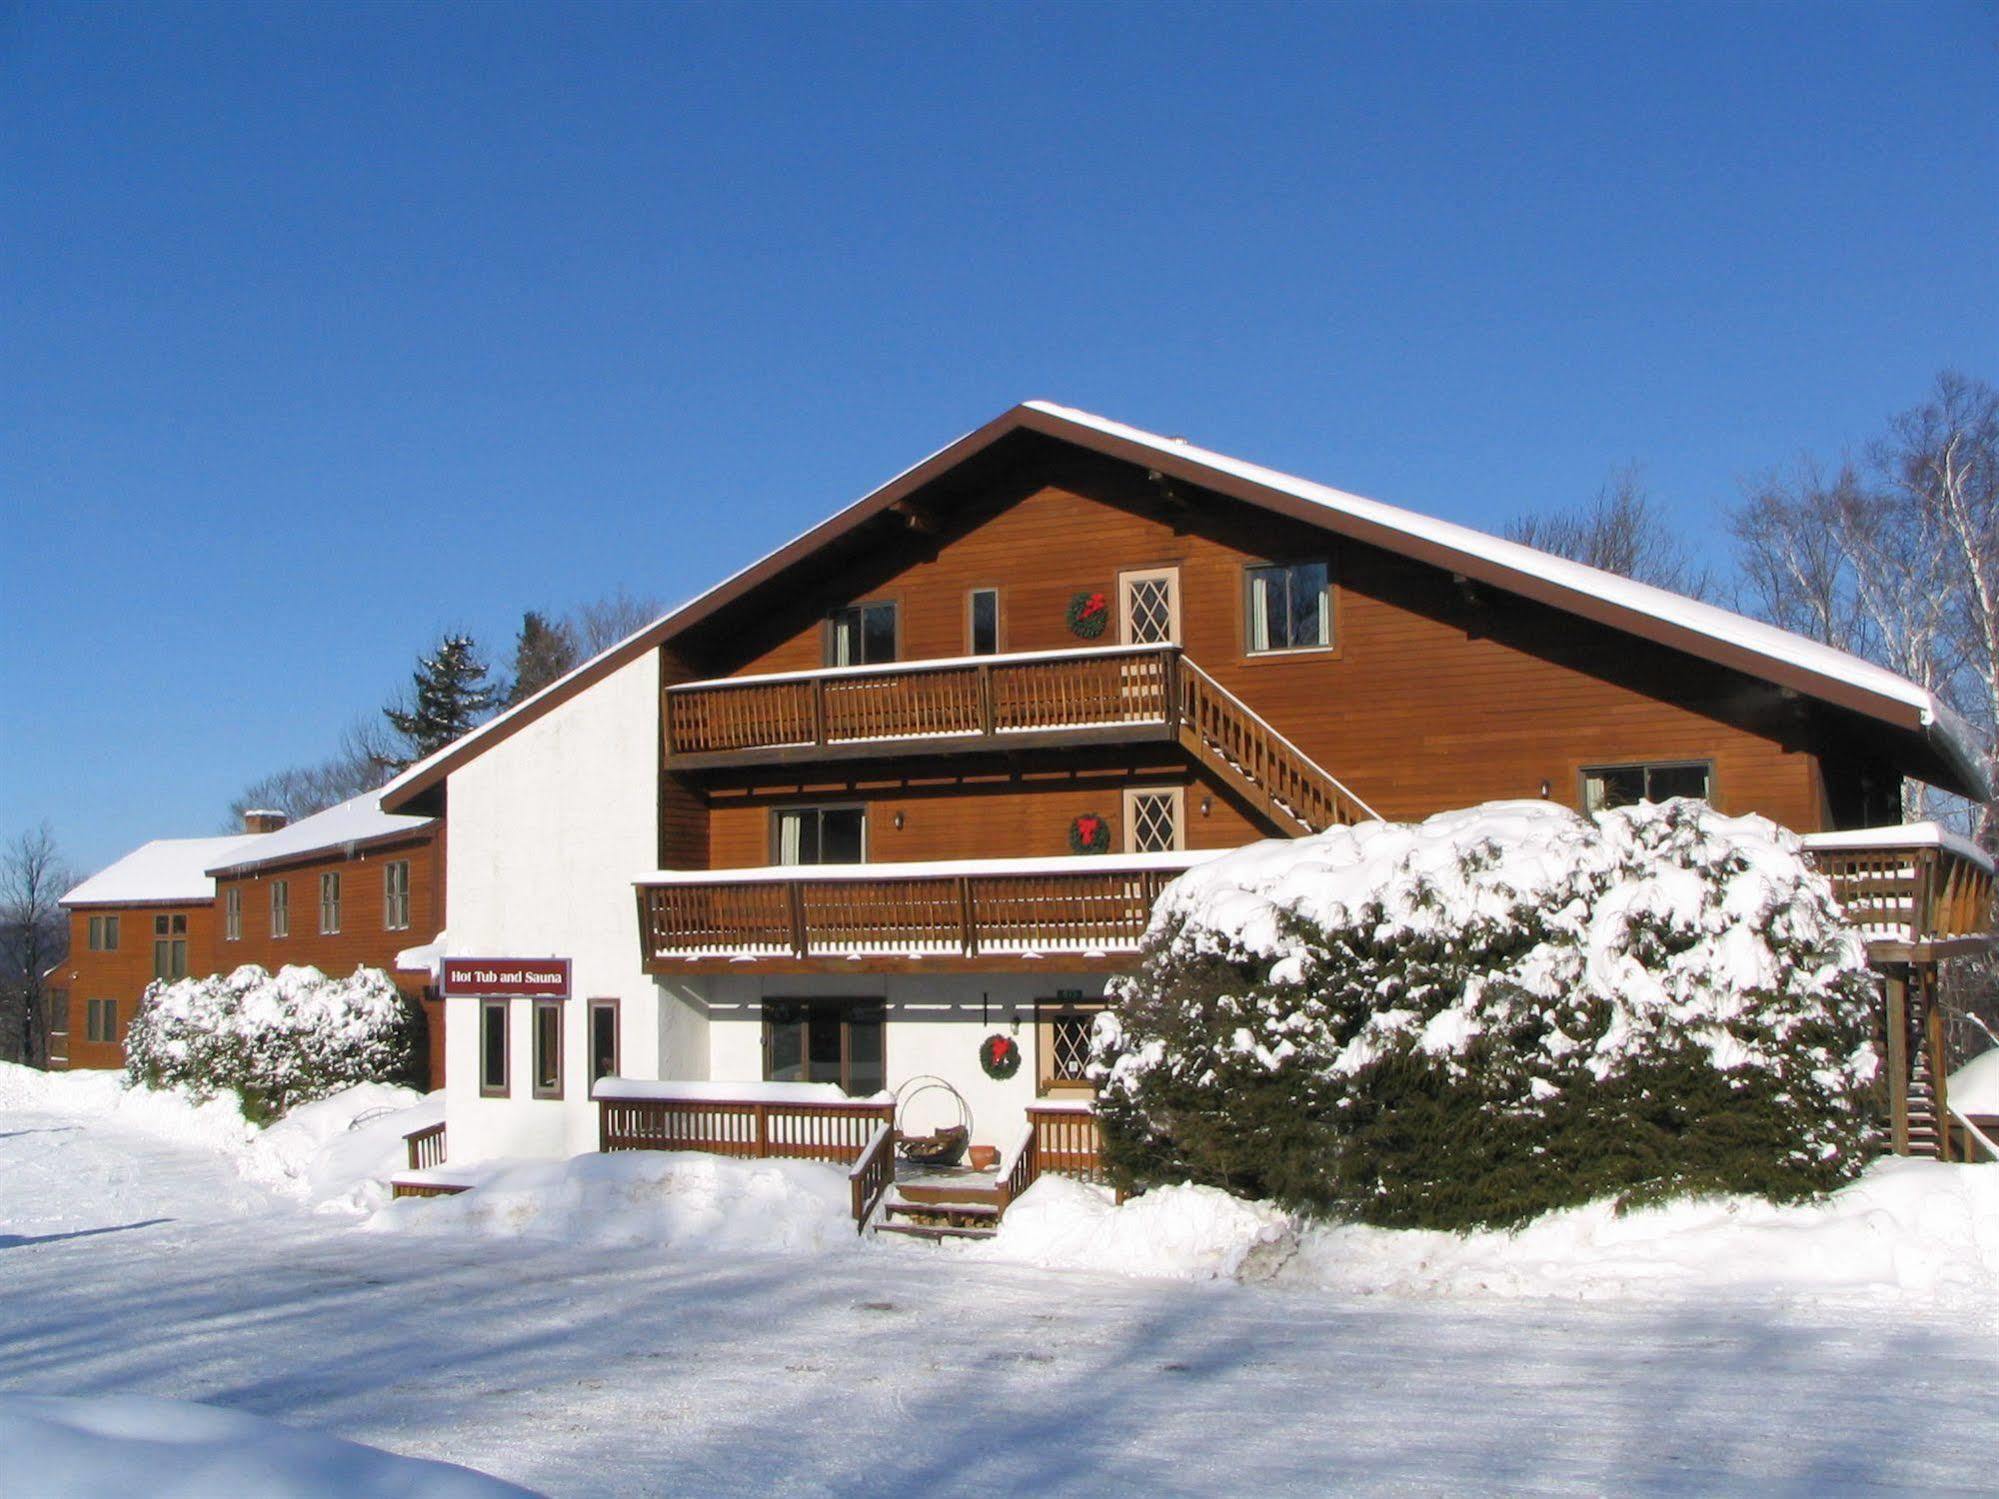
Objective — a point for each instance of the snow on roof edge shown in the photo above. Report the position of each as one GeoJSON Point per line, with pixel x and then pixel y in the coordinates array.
{"type": "Point", "coordinates": [359, 819]}
{"type": "Point", "coordinates": [161, 869]}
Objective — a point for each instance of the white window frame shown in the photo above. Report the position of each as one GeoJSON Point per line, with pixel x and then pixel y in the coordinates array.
{"type": "Point", "coordinates": [1139, 575]}
{"type": "Point", "coordinates": [1252, 616]}
{"type": "Point", "coordinates": [329, 903]}
{"type": "Point", "coordinates": [1178, 794]}
{"type": "Point", "coordinates": [232, 914]}
{"type": "Point", "coordinates": [281, 909]}
{"type": "Point", "coordinates": [396, 895]}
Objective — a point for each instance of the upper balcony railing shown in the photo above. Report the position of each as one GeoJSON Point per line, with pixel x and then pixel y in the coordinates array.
{"type": "Point", "coordinates": [1103, 693]}
{"type": "Point", "coordinates": [1917, 892]}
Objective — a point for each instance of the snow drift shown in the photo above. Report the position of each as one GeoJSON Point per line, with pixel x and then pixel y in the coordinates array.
{"type": "Point", "coordinates": [1496, 1012]}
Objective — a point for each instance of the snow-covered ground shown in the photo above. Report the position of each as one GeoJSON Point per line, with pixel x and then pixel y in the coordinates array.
{"type": "Point", "coordinates": [142, 1256]}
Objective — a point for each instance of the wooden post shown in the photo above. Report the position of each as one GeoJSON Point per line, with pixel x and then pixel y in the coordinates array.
{"type": "Point", "coordinates": [985, 700]}
{"type": "Point", "coordinates": [1939, 1080]}
{"type": "Point", "coordinates": [1898, 1063]}
{"type": "Point", "coordinates": [968, 931]}
{"type": "Point", "coordinates": [795, 899]}
{"type": "Point", "coordinates": [818, 710]}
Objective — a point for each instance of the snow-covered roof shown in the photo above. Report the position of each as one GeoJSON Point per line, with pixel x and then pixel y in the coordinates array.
{"type": "Point", "coordinates": [358, 820]}
{"type": "Point", "coordinates": [1730, 634]}
{"type": "Point", "coordinates": [1901, 835]}
{"type": "Point", "coordinates": [165, 869]}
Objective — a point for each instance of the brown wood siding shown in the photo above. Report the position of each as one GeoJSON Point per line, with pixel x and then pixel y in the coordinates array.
{"type": "Point", "coordinates": [1434, 695]}
{"type": "Point", "coordinates": [123, 975]}
{"type": "Point", "coordinates": [364, 940]}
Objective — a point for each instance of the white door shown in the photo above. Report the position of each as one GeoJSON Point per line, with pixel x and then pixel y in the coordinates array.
{"type": "Point", "coordinates": [1149, 606]}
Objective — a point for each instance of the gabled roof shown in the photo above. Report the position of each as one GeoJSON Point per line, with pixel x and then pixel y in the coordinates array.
{"type": "Point", "coordinates": [1703, 630]}
{"type": "Point", "coordinates": [167, 869]}
{"type": "Point", "coordinates": [356, 823]}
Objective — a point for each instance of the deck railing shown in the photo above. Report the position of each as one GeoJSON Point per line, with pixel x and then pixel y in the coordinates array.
{"type": "Point", "coordinates": [426, 1146]}
{"type": "Point", "coordinates": [1915, 892]}
{"type": "Point", "coordinates": [870, 1177]}
{"type": "Point", "coordinates": [1083, 905]}
{"type": "Point", "coordinates": [984, 697]}
{"type": "Point", "coordinates": [749, 1128]}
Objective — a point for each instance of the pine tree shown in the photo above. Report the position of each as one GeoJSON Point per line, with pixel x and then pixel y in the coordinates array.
{"type": "Point", "coordinates": [543, 651]}
{"type": "Point", "coordinates": [450, 696]}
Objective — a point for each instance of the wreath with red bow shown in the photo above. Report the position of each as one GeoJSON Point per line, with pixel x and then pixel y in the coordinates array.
{"type": "Point", "coordinates": [1000, 1056]}
{"type": "Point", "coordinates": [1089, 834]}
{"type": "Point", "coordinates": [1089, 612]}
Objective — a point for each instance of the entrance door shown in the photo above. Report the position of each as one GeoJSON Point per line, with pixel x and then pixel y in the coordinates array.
{"type": "Point", "coordinates": [825, 1041]}
{"type": "Point", "coordinates": [1149, 606]}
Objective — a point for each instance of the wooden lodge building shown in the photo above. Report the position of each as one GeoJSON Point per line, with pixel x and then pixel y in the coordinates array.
{"type": "Point", "coordinates": [346, 888]}
{"type": "Point", "coordinates": [913, 780]}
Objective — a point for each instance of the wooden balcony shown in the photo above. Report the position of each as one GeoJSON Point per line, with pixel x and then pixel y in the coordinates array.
{"type": "Point", "coordinates": [1918, 893]}
{"type": "Point", "coordinates": [1041, 699]}
{"type": "Point", "coordinates": [1084, 914]}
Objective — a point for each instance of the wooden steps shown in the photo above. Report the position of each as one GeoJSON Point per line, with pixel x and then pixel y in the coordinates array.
{"type": "Point", "coordinates": [941, 1210]}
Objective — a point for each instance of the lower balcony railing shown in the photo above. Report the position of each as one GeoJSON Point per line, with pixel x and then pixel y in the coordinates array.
{"type": "Point", "coordinates": [1091, 907]}
{"type": "Point", "coordinates": [1916, 892]}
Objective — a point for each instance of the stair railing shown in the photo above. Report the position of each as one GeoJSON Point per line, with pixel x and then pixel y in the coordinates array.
{"type": "Point", "coordinates": [1225, 725]}
{"type": "Point", "coordinates": [870, 1177]}
{"type": "Point", "coordinates": [1020, 1167]}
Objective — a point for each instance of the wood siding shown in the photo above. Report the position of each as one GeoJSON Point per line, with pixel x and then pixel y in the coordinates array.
{"type": "Point", "coordinates": [124, 974]}
{"type": "Point", "coordinates": [1434, 694]}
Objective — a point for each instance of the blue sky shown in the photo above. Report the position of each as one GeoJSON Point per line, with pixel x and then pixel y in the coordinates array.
{"type": "Point", "coordinates": [328, 328]}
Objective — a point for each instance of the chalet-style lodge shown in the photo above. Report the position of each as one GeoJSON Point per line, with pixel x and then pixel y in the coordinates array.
{"type": "Point", "coordinates": [811, 842]}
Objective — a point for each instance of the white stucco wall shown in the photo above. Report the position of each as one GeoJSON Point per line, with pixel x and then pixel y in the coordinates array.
{"type": "Point", "coordinates": [545, 833]}
{"type": "Point", "coordinates": [935, 1024]}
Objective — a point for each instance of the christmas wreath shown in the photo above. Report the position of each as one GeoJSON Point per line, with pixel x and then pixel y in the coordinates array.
{"type": "Point", "coordinates": [1000, 1056]}
{"type": "Point", "coordinates": [1089, 612]}
{"type": "Point", "coordinates": [1089, 834]}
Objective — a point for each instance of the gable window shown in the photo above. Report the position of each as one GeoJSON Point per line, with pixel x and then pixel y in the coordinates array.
{"type": "Point", "coordinates": [101, 1020]}
{"type": "Point", "coordinates": [548, 1048]}
{"type": "Point", "coordinates": [493, 1048]}
{"type": "Point", "coordinates": [281, 908]}
{"type": "Point", "coordinates": [1607, 786]}
{"type": "Point", "coordinates": [396, 895]}
{"type": "Point", "coordinates": [232, 914]}
{"type": "Point", "coordinates": [982, 622]}
{"type": "Point", "coordinates": [826, 1041]}
{"type": "Point", "coordinates": [603, 1039]}
{"type": "Point", "coordinates": [104, 934]}
{"type": "Point", "coordinates": [1153, 820]}
{"type": "Point", "coordinates": [1289, 606]}
{"type": "Point", "coordinates": [1062, 1032]}
{"type": "Point", "coordinates": [170, 947]}
{"type": "Point", "coordinates": [329, 903]}
{"type": "Point", "coordinates": [820, 835]}
{"type": "Point", "coordinates": [861, 635]}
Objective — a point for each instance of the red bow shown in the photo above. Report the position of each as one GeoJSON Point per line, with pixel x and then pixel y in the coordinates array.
{"type": "Point", "coordinates": [1086, 828]}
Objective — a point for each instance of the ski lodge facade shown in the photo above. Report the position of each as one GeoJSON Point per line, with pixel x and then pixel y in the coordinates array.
{"type": "Point", "coordinates": [894, 802]}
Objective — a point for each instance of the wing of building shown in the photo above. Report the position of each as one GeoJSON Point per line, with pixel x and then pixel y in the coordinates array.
{"type": "Point", "coordinates": [910, 782]}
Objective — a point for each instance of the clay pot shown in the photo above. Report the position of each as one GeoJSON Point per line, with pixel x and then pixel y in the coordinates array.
{"type": "Point", "coordinates": [985, 1157]}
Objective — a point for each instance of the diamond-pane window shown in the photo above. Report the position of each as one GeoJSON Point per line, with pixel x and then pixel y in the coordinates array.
{"type": "Point", "coordinates": [1071, 1047]}
{"type": "Point", "coordinates": [1155, 822]}
{"type": "Point", "coordinates": [1149, 607]}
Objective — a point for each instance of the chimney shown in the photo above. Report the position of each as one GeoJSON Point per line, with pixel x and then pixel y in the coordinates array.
{"type": "Point", "coordinates": [263, 820]}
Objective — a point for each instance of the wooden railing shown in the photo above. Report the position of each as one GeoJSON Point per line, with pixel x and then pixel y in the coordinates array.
{"type": "Point", "coordinates": [872, 1175]}
{"type": "Point", "coordinates": [1061, 1141]}
{"type": "Point", "coordinates": [426, 1147]}
{"type": "Point", "coordinates": [1914, 892]}
{"type": "Point", "coordinates": [746, 1128]}
{"type": "Point", "coordinates": [987, 698]}
{"type": "Point", "coordinates": [1279, 774]}
{"type": "Point", "coordinates": [1095, 907]}
{"type": "Point", "coordinates": [1969, 1138]}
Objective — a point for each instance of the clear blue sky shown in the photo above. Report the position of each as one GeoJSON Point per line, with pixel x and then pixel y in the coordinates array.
{"type": "Point", "coordinates": [326, 328]}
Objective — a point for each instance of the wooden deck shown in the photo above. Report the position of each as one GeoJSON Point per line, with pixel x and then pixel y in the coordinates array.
{"type": "Point", "coordinates": [1917, 894]}
{"type": "Point", "coordinates": [1089, 911]}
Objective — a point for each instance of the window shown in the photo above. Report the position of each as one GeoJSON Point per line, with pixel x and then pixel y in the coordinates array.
{"type": "Point", "coordinates": [1607, 786]}
{"type": "Point", "coordinates": [170, 947]}
{"type": "Point", "coordinates": [104, 934]}
{"type": "Point", "coordinates": [232, 914]}
{"type": "Point", "coordinates": [982, 622]}
{"type": "Point", "coordinates": [861, 635]}
{"type": "Point", "coordinates": [1062, 1032]}
{"type": "Point", "coordinates": [1149, 606]}
{"type": "Point", "coordinates": [101, 1020]}
{"type": "Point", "coordinates": [603, 1039]}
{"type": "Point", "coordinates": [281, 908]}
{"type": "Point", "coordinates": [826, 1041]}
{"type": "Point", "coordinates": [820, 835]}
{"type": "Point", "coordinates": [493, 1048]}
{"type": "Point", "coordinates": [1290, 607]}
{"type": "Point", "coordinates": [548, 1048]}
{"type": "Point", "coordinates": [329, 903]}
{"type": "Point", "coordinates": [1153, 820]}
{"type": "Point", "coordinates": [396, 895]}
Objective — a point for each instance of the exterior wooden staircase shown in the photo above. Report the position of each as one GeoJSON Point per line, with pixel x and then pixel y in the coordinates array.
{"type": "Point", "coordinates": [941, 1210]}
{"type": "Point", "coordinates": [1267, 770]}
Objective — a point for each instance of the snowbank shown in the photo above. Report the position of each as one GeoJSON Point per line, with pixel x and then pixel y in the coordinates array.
{"type": "Point", "coordinates": [90, 1448]}
{"type": "Point", "coordinates": [1974, 1087]}
{"type": "Point", "coordinates": [656, 1199]}
{"type": "Point", "coordinates": [332, 1156]}
{"type": "Point", "coordinates": [1908, 1232]}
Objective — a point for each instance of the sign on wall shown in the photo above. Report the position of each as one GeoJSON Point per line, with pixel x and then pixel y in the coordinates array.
{"type": "Point", "coordinates": [505, 978]}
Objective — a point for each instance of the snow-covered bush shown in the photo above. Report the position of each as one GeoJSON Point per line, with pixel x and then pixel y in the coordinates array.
{"type": "Point", "coordinates": [276, 1040]}
{"type": "Point", "coordinates": [1494, 1013]}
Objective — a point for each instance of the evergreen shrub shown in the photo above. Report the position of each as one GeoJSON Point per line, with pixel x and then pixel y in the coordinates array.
{"type": "Point", "coordinates": [1477, 1019]}
{"type": "Point", "coordinates": [276, 1040]}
